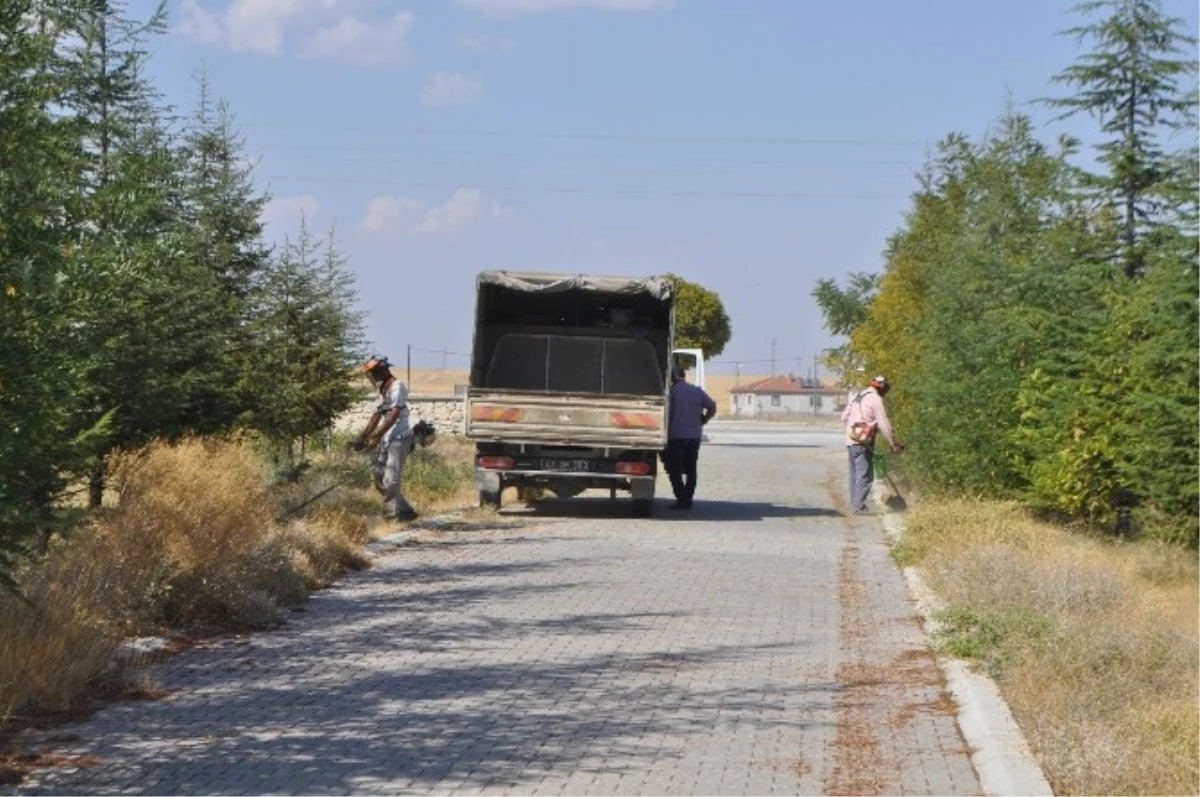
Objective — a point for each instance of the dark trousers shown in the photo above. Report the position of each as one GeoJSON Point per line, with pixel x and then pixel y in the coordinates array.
{"type": "Point", "coordinates": [679, 459]}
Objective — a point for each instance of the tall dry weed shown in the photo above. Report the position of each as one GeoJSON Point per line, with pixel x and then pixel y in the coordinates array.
{"type": "Point", "coordinates": [203, 507]}
{"type": "Point", "coordinates": [1095, 644]}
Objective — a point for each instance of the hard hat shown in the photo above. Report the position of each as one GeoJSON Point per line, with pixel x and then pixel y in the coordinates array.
{"type": "Point", "coordinates": [880, 382]}
{"type": "Point", "coordinates": [376, 363]}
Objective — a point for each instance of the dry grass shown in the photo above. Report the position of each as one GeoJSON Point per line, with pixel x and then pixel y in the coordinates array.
{"type": "Point", "coordinates": [1094, 643]}
{"type": "Point", "coordinates": [192, 543]}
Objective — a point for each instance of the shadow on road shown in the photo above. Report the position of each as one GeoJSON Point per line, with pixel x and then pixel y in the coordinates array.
{"type": "Point", "coordinates": [379, 685]}
{"type": "Point", "coordinates": [619, 509]}
{"type": "Point", "coordinates": [719, 444]}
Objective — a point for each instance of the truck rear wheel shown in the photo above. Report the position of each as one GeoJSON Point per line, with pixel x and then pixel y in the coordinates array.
{"type": "Point", "coordinates": [488, 498]}
{"type": "Point", "coordinates": [643, 507]}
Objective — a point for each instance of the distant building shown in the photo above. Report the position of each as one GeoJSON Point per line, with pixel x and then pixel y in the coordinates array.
{"type": "Point", "coordinates": [780, 396]}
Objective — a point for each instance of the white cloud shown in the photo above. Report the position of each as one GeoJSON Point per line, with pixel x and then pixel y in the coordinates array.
{"type": "Point", "coordinates": [257, 26]}
{"type": "Point", "coordinates": [450, 88]}
{"type": "Point", "coordinates": [513, 8]}
{"type": "Point", "coordinates": [198, 24]}
{"type": "Point", "coordinates": [389, 216]}
{"type": "Point", "coordinates": [484, 43]}
{"type": "Point", "coordinates": [401, 217]}
{"type": "Point", "coordinates": [360, 42]}
{"type": "Point", "coordinates": [329, 29]}
{"type": "Point", "coordinates": [284, 213]}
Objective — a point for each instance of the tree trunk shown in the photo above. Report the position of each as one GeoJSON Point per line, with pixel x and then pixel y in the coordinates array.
{"type": "Point", "coordinates": [96, 485]}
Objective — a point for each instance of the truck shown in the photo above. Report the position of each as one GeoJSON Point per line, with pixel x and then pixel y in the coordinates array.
{"type": "Point", "coordinates": [569, 383]}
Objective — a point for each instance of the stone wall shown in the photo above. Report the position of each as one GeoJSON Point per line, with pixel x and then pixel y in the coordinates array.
{"type": "Point", "coordinates": [445, 412]}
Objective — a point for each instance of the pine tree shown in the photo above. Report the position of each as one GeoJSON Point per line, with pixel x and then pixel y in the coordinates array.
{"type": "Point", "coordinates": [1130, 82]}
{"type": "Point", "coordinates": [146, 328]}
{"type": "Point", "coordinates": [223, 204]}
{"type": "Point", "coordinates": [38, 173]}
{"type": "Point", "coordinates": [223, 216]}
{"type": "Point", "coordinates": [1156, 425]}
{"type": "Point", "coordinates": [307, 337]}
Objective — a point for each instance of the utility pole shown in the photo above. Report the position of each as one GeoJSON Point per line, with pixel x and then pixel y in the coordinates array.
{"type": "Point", "coordinates": [737, 379]}
{"type": "Point", "coordinates": [408, 366]}
{"type": "Point", "coordinates": [772, 356]}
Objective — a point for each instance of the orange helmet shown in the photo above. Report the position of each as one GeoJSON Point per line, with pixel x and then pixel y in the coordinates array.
{"type": "Point", "coordinates": [377, 367]}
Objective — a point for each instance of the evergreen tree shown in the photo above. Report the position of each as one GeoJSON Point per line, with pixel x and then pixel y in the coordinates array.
{"type": "Point", "coordinates": [307, 338]}
{"type": "Point", "coordinates": [146, 331]}
{"type": "Point", "coordinates": [1130, 82]}
{"type": "Point", "coordinates": [38, 174]}
{"type": "Point", "coordinates": [223, 217]}
{"type": "Point", "coordinates": [1157, 428]}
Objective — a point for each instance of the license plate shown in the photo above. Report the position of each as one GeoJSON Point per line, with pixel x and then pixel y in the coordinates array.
{"type": "Point", "coordinates": [567, 465]}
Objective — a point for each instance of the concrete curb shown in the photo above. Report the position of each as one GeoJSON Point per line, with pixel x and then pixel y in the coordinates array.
{"type": "Point", "coordinates": [999, 753]}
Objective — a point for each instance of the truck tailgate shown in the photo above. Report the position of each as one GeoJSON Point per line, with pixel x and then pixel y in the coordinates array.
{"type": "Point", "coordinates": [569, 419]}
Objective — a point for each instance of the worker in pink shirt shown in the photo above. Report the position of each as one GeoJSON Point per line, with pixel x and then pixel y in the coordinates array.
{"type": "Point", "coordinates": [864, 418]}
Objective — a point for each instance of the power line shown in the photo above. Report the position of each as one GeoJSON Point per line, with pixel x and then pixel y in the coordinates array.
{"type": "Point", "coordinates": [662, 168]}
{"type": "Point", "coordinates": [593, 136]}
{"type": "Point", "coordinates": [682, 193]}
{"type": "Point", "coordinates": [595, 156]}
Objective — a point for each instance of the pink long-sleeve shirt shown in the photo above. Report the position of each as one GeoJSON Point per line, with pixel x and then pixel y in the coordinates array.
{"type": "Point", "coordinates": [868, 409]}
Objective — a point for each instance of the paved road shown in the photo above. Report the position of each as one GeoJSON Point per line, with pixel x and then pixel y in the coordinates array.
{"type": "Point", "coordinates": [761, 644]}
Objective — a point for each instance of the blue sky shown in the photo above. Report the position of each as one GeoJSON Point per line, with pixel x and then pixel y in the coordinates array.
{"type": "Point", "coordinates": [752, 147]}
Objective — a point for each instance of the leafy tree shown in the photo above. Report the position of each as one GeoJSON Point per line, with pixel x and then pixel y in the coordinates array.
{"type": "Point", "coordinates": [888, 340]}
{"type": "Point", "coordinates": [1129, 81]}
{"type": "Point", "coordinates": [700, 318]}
{"type": "Point", "coordinates": [844, 310]}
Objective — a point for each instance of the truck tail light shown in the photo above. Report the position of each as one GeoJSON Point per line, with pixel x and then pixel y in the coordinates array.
{"type": "Point", "coordinates": [633, 468]}
{"type": "Point", "coordinates": [496, 463]}
{"type": "Point", "coordinates": [496, 414]}
{"type": "Point", "coordinates": [634, 420]}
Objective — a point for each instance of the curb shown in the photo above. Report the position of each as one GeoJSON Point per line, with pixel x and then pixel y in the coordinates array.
{"type": "Point", "coordinates": [999, 752]}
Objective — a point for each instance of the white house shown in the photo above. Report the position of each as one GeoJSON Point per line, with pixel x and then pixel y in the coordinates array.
{"type": "Point", "coordinates": [781, 396]}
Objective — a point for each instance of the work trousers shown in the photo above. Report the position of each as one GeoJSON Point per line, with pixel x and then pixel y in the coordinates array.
{"type": "Point", "coordinates": [680, 460]}
{"type": "Point", "coordinates": [862, 473]}
{"type": "Point", "coordinates": [388, 473]}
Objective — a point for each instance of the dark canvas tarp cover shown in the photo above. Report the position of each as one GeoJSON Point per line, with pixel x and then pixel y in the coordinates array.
{"type": "Point", "coordinates": [653, 287]}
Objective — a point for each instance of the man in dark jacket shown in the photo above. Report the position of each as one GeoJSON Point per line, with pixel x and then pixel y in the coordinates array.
{"type": "Point", "coordinates": [690, 408]}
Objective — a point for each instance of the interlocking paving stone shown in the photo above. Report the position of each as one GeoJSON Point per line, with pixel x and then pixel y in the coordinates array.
{"type": "Point", "coordinates": [763, 643]}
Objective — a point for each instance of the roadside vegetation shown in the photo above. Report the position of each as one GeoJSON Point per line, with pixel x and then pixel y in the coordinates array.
{"type": "Point", "coordinates": [1093, 641]}
{"type": "Point", "coordinates": [1036, 313]}
{"type": "Point", "coordinates": [140, 297]}
{"type": "Point", "coordinates": [195, 537]}
{"type": "Point", "coordinates": [1037, 316]}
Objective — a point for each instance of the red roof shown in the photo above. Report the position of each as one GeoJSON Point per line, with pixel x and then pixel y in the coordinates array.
{"type": "Point", "coordinates": [776, 385]}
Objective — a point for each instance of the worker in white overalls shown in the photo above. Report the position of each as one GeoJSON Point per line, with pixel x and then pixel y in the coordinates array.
{"type": "Point", "coordinates": [388, 431]}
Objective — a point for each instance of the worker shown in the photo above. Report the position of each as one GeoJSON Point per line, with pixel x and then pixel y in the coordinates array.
{"type": "Point", "coordinates": [690, 409]}
{"type": "Point", "coordinates": [389, 434]}
{"type": "Point", "coordinates": [864, 418]}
